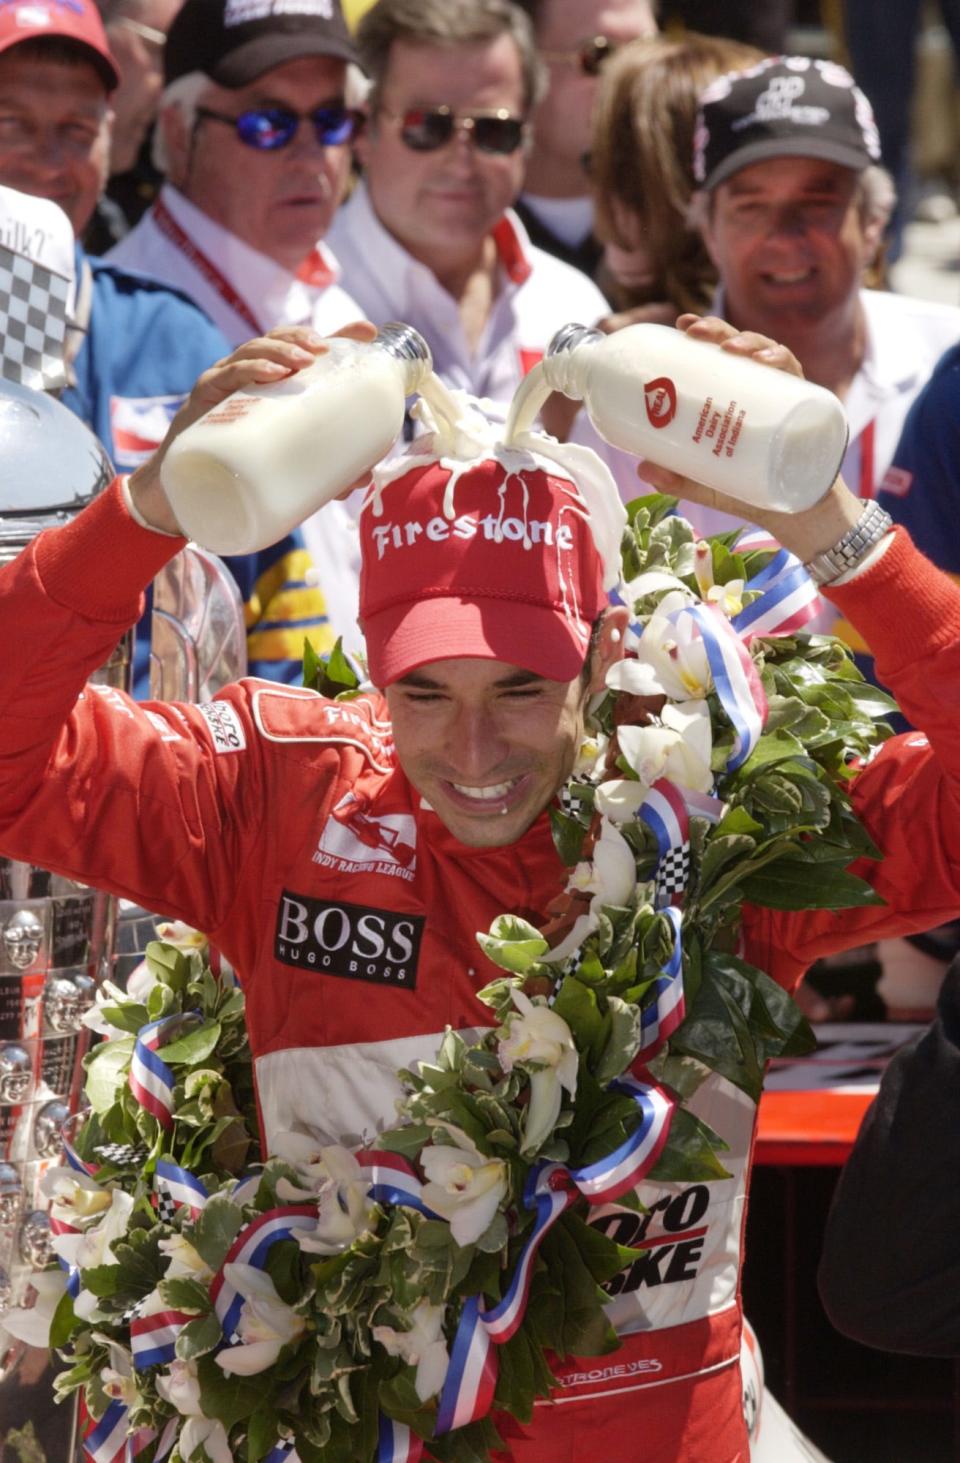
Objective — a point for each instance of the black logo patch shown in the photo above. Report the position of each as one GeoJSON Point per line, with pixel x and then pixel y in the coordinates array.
{"type": "Point", "coordinates": [349, 940]}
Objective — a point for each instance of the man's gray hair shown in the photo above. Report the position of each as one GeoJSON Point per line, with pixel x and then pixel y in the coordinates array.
{"type": "Point", "coordinates": [184, 95]}
{"type": "Point", "coordinates": [447, 23]}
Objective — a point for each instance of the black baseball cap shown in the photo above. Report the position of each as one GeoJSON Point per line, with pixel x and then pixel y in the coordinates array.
{"type": "Point", "coordinates": [785, 106]}
{"type": "Point", "coordinates": [235, 41]}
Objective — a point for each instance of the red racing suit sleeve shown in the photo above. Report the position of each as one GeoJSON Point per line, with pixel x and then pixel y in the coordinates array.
{"type": "Point", "coordinates": [908, 796]}
{"type": "Point", "coordinates": [132, 797]}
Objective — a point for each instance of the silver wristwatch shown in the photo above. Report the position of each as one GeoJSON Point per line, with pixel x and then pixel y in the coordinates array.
{"type": "Point", "coordinates": [872, 525]}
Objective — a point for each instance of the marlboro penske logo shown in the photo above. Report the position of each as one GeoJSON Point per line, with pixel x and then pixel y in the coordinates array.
{"type": "Point", "coordinates": [354, 840]}
{"type": "Point", "coordinates": [660, 398]}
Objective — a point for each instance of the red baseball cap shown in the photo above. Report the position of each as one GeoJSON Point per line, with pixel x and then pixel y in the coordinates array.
{"type": "Point", "coordinates": [503, 567]}
{"type": "Point", "coordinates": [69, 20]}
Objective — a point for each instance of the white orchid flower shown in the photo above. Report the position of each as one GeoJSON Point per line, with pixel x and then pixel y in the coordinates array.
{"type": "Point", "coordinates": [592, 753]}
{"type": "Point", "coordinates": [679, 749]}
{"type": "Point", "coordinates": [183, 936]}
{"type": "Point", "coordinates": [464, 1186]}
{"type": "Point", "coordinates": [32, 1323]}
{"type": "Point", "coordinates": [117, 1378]}
{"type": "Point", "coordinates": [652, 581]}
{"type": "Point", "coordinates": [106, 994]}
{"type": "Point", "coordinates": [728, 596]}
{"type": "Point", "coordinates": [539, 1041]}
{"type": "Point", "coordinates": [330, 1176]}
{"type": "Point", "coordinates": [620, 798]}
{"type": "Point", "coordinates": [92, 1246]}
{"type": "Point", "coordinates": [671, 659]}
{"type": "Point", "coordinates": [140, 982]}
{"type": "Point", "coordinates": [180, 1387]}
{"type": "Point", "coordinates": [75, 1196]}
{"type": "Point", "coordinates": [206, 1433]}
{"type": "Point", "coordinates": [703, 566]}
{"type": "Point", "coordinates": [184, 1261]}
{"type": "Point", "coordinates": [610, 875]}
{"type": "Point", "coordinates": [422, 1346]}
{"type": "Point", "coordinates": [266, 1323]}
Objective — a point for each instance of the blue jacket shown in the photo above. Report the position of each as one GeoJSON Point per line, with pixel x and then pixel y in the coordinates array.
{"type": "Point", "coordinates": [921, 489]}
{"type": "Point", "coordinates": [145, 346]}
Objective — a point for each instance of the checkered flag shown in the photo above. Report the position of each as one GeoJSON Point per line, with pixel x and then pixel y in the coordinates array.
{"type": "Point", "coordinates": [673, 873]}
{"type": "Point", "coordinates": [33, 322]}
{"type": "Point", "coordinates": [165, 1206]}
{"type": "Point", "coordinates": [122, 1155]}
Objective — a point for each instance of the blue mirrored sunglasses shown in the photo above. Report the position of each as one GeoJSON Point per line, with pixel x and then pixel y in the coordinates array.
{"type": "Point", "coordinates": [267, 128]}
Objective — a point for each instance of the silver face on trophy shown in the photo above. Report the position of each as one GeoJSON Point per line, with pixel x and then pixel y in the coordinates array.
{"type": "Point", "coordinates": [61, 1004]}
{"type": "Point", "coordinates": [86, 988]}
{"type": "Point", "coordinates": [23, 938]}
{"type": "Point", "coordinates": [16, 1073]}
{"type": "Point", "coordinates": [11, 1194]}
{"type": "Point", "coordinates": [35, 1246]}
{"type": "Point", "coordinates": [47, 1127]}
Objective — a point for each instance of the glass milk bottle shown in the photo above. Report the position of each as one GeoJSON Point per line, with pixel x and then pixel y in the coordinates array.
{"type": "Point", "coordinates": [260, 462]}
{"type": "Point", "coordinates": [759, 435]}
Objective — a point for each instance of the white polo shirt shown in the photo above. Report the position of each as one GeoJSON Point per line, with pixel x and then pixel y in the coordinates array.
{"type": "Point", "coordinates": [242, 290]}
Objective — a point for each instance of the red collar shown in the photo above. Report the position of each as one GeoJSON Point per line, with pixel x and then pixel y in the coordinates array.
{"type": "Point", "coordinates": [510, 251]}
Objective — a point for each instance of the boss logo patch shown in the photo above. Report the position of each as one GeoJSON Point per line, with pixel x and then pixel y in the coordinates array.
{"type": "Point", "coordinates": [349, 940]}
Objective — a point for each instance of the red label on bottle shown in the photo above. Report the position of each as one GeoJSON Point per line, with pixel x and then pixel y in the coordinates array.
{"type": "Point", "coordinates": [660, 397]}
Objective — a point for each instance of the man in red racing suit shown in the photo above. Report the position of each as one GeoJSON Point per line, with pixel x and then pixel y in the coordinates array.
{"type": "Point", "coordinates": [356, 950]}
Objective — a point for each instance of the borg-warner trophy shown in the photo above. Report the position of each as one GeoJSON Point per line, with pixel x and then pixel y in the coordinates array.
{"type": "Point", "coordinates": [57, 936]}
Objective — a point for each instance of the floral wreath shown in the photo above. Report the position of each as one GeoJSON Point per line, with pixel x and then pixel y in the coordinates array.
{"type": "Point", "coordinates": [333, 1305]}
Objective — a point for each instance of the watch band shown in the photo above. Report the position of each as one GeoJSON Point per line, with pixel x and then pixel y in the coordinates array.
{"type": "Point", "coordinates": [873, 524]}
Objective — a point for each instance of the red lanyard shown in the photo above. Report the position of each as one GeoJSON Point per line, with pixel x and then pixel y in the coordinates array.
{"type": "Point", "coordinates": [868, 487]}
{"type": "Point", "coordinates": [171, 230]}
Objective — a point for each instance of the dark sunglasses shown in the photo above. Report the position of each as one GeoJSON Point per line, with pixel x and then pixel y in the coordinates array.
{"type": "Point", "coordinates": [425, 129]}
{"type": "Point", "coordinates": [589, 55]}
{"type": "Point", "coordinates": [267, 128]}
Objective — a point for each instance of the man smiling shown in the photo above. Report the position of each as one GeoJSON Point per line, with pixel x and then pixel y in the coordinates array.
{"type": "Point", "coordinates": [343, 854]}
{"type": "Point", "coordinates": [255, 121]}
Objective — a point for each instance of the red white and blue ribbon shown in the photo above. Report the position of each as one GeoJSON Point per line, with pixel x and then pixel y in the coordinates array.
{"type": "Point", "coordinates": [734, 677]}
{"type": "Point", "coordinates": [151, 1080]}
{"type": "Point", "coordinates": [153, 1339]}
{"type": "Point", "coordinates": [106, 1442]}
{"type": "Point", "coordinates": [665, 814]}
{"type": "Point", "coordinates": [660, 1019]}
{"type": "Point", "coordinates": [251, 1247]}
{"type": "Point", "coordinates": [60, 1226]}
{"type": "Point", "coordinates": [396, 1443]}
{"type": "Point", "coordinates": [788, 596]}
{"type": "Point", "coordinates": [181, 1186]}
{"type": "Point", "coordinates": [468, 1390]}
{"type": "Point", "coordinates": [392, 1180]}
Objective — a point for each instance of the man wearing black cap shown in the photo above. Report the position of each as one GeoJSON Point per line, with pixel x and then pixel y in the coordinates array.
{"type": "Point", "coordinates": [792, 209]}
{"type": "Point", "coordinates": [253, 134]}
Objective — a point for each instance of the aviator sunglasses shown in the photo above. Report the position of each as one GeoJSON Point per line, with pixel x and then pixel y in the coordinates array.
{"type": "Point", "coordinates": [267, 128]}
{"type": "Point", "coordinates": [589, 55]}
{"type": "Point", "coordinates": [425, 129]}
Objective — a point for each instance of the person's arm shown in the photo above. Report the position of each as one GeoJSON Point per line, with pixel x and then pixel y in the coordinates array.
{"type": "Point", "coordinates": [890, 1272]}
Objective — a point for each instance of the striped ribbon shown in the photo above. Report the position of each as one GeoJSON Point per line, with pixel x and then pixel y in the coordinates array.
{"type": "Point", "coordinates": [788, 596]}
{"type": "Point", "coordinates": [106, 1442]}
{"type": "Point", "coordinates": [251, 1247]}
{"type": "Point", "coordinates": [660, 1019]}
{"type": "Point", "coordinates": [151, 1080]}
{"type": "Point", "coordinates": [153, 1339]}
{"type": "Point", "coordinates": [468, 1390]}
{"type": "Point", "coordinates": [396, 1443]}
{"type": "Point", "coordinates": [734, 677]}
{"type": "Point", "coordinates": [665, 814]}
{"type": "Point", "coordinates": [393, 1180]}
{"type": "Point", "coordinates": [60, 1226]}
{"type": "Point", "coordinates": [181, 1186]}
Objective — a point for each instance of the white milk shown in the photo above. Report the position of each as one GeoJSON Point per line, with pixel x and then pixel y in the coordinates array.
{"type": "Point", "coordinates": [761, 436]}
{"type": "Point", "coordinates": [262, 461]}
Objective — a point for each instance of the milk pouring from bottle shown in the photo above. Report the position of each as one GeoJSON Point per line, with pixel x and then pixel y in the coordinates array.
{"type": "Point", "coordinates": [259, 463]}
{"type": "Point", "coordinates": [759, 435]}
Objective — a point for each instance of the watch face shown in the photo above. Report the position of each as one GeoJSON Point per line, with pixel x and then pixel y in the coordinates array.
{"type": "Point", "coordinates": [35, 1239]}
{"type": "Point", "coordinates": [47, 1127]}
{"type": "Point", "coordinates": [11, 1193]}
{"type": "Point", "coordinates": [23, 938]}
{"type": "Point", "coordinates": [16, 1073]}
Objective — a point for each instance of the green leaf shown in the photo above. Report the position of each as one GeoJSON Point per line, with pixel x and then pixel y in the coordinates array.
{"type": "Point", "coordinates": [802, 884]}
{"type": "Point", "coordinates": [577, 1005]}
{"type": "Point", "coordinates": [263, 1430]}
{"type": "Point", "coordinates": [690, 1154]}
{"type": "Point", "coordinates": [568, 836]}
{"type": "Point", "coordinates": [168, 965]}
{"type": "Point", "coordinates": [330, 675]}
{"type": "Point", "coordinates": [107, 1067]}
{"type": "Point", "coordinates": [217, 1227]}
{"type": "Point", "coordinates": [199, 1337]}
{"type": "Point", "coordinates": [193, 1047]}
{"type": "Point", "coordinates": [63, 1323]}
{"type": "Point", "coordinates": [230, 1399]}
{"type": "Point", "coordinates": [184, 1294]}
{"type": "Point", "coordinates": [513, 944]}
